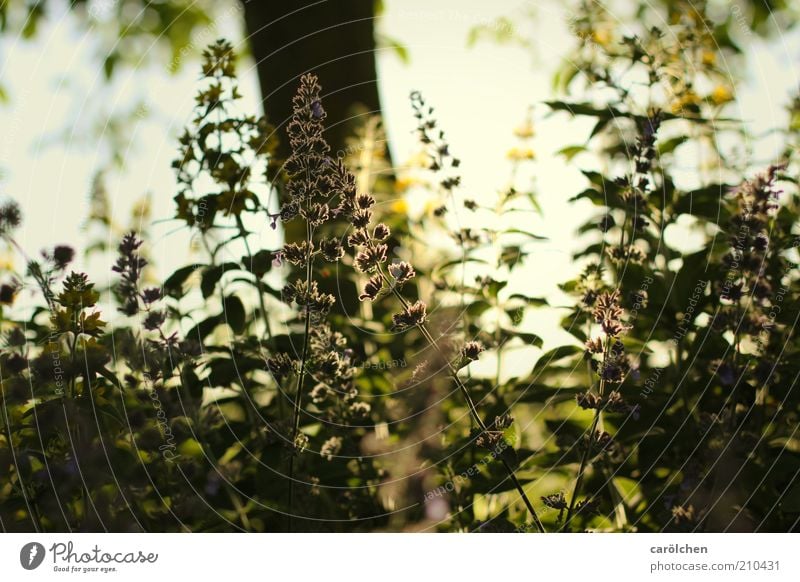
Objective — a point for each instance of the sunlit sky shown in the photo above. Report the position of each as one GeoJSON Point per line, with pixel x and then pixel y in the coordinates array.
{"type": "Point", "coordinates": [50, 149]}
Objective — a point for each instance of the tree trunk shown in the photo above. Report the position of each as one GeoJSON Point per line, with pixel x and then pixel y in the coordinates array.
{"type": "Point", "coordinates": [333, 39]}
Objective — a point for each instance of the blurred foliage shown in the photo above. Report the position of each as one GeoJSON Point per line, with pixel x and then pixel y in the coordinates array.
{"type": "Point", "coordinates": [126, 29]}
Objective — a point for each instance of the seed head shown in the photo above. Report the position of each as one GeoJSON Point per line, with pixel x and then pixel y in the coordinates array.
{"type": "Point", "coordinates": [402, 272]}
{"type": "Point", "coordinates": [412, 316]}
{"type": "Point", "coordinates": [372, 288]}
{"type": "Point", "coordinates": [62, 256]}
{"type": "Point", "coordinates": [7, 294]}
{"type": "Point", "coordinates": [358, 238]}
{"type": "Point", "coordinates": [472, 350]}
{"type": "Point", "coordinates": [281, 365]}
{"type": "Point", "coordinates": [332, 249]}
{"type": "Point", "coordinates": [297, 253]}
{"type": "Point", "coordinates": [10, 217]}
{"type": "Point", "coordinates": [369, 259]}
{"type": "Point", "coordinates": [555, 501]}
{"type": "Point", "coordinates": [381, 232]}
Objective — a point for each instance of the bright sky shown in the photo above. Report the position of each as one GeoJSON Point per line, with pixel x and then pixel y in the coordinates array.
{"type": "Point", "coordinates": [49, 150]}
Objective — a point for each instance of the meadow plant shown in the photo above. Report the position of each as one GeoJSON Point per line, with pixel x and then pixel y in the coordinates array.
{"type": "Point", "coordinates": [337, 379]}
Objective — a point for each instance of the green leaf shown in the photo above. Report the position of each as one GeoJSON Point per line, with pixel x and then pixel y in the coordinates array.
{"type": "Point", "coordinates": [565, 75]}
{"type": "Point", "coordinates": [260, 264]}
{"type": "Point", "coordinates": [234, 314]}
{"type": "Point", "coordinates": [200, 331]}
{"type": "Point", "coordinates": [110, 376]}
{"type": "Point", "coordinates": [510, 435]}
{"type": "Point", "coordinates": [460, 262]}
{"type": "Point", "coordinates": [693, 271]}
{"type": "Point", "coordinates": [570, 152]}
{"type": "Point", "coordinates": [225, 371]}
{"type": "Point", "coordinates": [530, 392]}
{"type": "Point", "coordinates": [511, 255]}
{"type": "Point", "coordinates": [35, 13]}
{"type": "Point", "coordinates": [554, 355]}
{"type": "Point", "coordinates": [396, 46]}
{"type": "Point", "coordinates": [110, 63]}
{"type": "Point", "coordinates": [516, 314]}
{"type": "Point", "coordinates": [191, 448]}
{"type": "Point", "coordinates": [707, 203]}
{"type": "Point", "coordinates": [212, 275]}
{"type": "Point", "coordinates": [670, 145]}
{"type": "Point", "coordinates": [523, 232]}
{"type": "Point", "coordinates": [191, 383]}
{"type": "Point", "coordinates": [585, 109]}
{"type": "Point", "coordinates": [531, 301]}
{"type": "Point", "coordinates": [478, 308]}
{"type": "Point", "coordinates": [528, 338]}
{"type": "Point", "coordinates": [173, 286]}
{"type": "Point", "coordinates": [501, 31]}
{"type": "Point", "coordinates": [495, 287]}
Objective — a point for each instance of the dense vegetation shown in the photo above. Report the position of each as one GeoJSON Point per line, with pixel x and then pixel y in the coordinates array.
{"type": "Point", "coordinates": [338, 382]}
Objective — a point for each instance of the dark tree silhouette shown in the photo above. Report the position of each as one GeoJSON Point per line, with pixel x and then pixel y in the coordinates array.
{"type": "Point", "coordinates": [334, 40]}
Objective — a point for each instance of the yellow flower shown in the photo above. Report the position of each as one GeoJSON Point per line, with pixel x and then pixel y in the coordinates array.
{"type": "Point", "coordinates": [709, 57]}
{"type": "Point", "coordinates": [520, 154]}
{"type": "Point", "coordinates": [400, 206]}
{"type": "Point", "coordinates": [524, 131]}
{"type": "Point", "coordinates": [404, 183]}
{"type": "Point", "coordinates": [418, 160]}
{"type": "Point", "coordinates": [688, 100]}
{"type": "Point", "coordinates": [601, 36]}
{"type": "Point", "coordinates": [141, 209]}
{"type": "Point", "coordinates": [6, 262]}
{"type": "Point", "coordinates": [721, 95]}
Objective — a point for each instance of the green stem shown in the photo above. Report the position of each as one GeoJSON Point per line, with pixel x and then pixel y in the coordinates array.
{"type": "Point", "coordinates": [587, 451]}
{"type": "Point", "coordinates": [581, 471]}
{"type": "Point", "coordinates": [296, 405]}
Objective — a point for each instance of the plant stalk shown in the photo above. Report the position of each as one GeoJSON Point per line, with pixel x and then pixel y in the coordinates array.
{"type": "Point", "coordinates": [298, 395]}
{"type": "Point", "coordinates": [470, 404]}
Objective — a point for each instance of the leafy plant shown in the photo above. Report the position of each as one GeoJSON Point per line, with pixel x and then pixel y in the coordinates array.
{"type": "Point", "coordinates": [354, 376]}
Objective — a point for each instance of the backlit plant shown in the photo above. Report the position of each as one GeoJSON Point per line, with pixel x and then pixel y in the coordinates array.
{"type": "Point", "coordinates": [329, 359]}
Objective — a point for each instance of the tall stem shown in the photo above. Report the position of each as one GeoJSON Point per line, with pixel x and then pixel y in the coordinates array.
{"type": "Point", "coordinates": [298, 395]}
{"type": "Point", "coordinates": [470, 403]}
{"type": "Point", "coordinates": [587, 451]}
